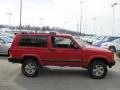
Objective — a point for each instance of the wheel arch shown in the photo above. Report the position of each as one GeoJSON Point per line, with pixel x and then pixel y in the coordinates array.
{"type": "Point", "coordinates": [24, 58]}
{"type": "Point", "coordinates": [103, 59]}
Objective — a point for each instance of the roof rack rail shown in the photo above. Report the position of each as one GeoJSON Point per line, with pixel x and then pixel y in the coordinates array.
{"type": "Point", "coordinates": [24, 33]}
{"type": "Point", "coordinates": [53, 33]}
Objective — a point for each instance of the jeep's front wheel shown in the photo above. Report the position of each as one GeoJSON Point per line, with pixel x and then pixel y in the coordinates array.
{"type": "Point", "coordinates": [30, 68]}
{"type": "Point", "coordinates": [97, 70]}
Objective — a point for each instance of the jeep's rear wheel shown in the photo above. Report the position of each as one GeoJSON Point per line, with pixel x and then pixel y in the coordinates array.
{"type": "Point", "coordinates": [30, 68]}
{"type": "Point", "coordinates": [97, 70]}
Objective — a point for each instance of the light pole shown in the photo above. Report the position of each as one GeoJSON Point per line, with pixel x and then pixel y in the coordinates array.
{"type": "Point", "coordinates": [41, 19]}
{"type": "Point", "coordinates": [113, 6]}
{"type": "Point", "coordinates": [66, 23]}
{"type": "Point", "coordinates": [20, 27]}
{"type": "Point", "coordinates": [9, 16]}
{"type": "Point", "coordinates": [101, 29]}
{"type": "Point", "coordinates": [78, 28]}
{"type": "Point", "coordinates": [81, 18]}
{"type": "Point", "coordinates": [94, 19]}
{"type": "Point", "coordinates": [85, 27]}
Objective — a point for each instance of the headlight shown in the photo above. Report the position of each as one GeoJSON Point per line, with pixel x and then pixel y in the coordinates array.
{"type": "Point", "coordinates": [104, 44]}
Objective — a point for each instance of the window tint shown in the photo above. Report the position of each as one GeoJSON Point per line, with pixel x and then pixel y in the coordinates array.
{"type": "Point", "coordinates": [61, 42]}
{"type": "Point", "coordinates": [34, 41]}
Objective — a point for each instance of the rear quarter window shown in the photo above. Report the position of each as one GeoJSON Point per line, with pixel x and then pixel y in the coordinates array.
{"type": "Point", "coordinates": [34, 41]}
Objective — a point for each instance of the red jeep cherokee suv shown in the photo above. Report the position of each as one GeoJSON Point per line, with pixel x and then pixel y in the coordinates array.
{"type": "Point", "coordinates": [37, 50]}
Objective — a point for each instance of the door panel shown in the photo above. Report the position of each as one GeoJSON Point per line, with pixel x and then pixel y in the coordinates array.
{"type": "Point", "coordinates": [61, 53]}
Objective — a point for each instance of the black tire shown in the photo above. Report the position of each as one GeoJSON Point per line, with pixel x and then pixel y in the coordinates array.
{"type": "Point", "coordinates": [112, 48]}
{"type": "Point", "coordinates": [30, 68]}
{"type": "Point", "coordinates": [97, 70]}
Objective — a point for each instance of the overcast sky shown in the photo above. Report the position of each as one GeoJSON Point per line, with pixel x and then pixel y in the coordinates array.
{"type": "Point", "coordinates": [56, 13]}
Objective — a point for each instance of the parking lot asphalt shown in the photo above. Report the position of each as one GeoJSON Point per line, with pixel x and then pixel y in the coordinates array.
{"type": "Point", "coordinates": [56, 78]}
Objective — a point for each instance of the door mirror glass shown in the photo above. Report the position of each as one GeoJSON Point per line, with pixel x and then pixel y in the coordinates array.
{"type": "Point", "coordinates": [76, 47]}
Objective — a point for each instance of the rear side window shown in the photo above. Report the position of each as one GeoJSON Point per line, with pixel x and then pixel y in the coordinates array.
{"type": "Point", "coordinates": [34, 41]}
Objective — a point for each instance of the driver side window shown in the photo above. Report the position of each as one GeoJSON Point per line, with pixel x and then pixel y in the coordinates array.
{"type": "Point", "coordinates": [62, 42]}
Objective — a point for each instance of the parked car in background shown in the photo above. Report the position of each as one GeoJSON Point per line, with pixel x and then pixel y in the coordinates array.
{"type": "Point", "coordinates": [113, 46]}
{"type": "Point", "coordinates": [104, 39]}
{"type": "Point", "coordinates": [11, 36]}
{"type": "Point", "coordinates": [88, 39]}
{"type": "Point", "coordinates": [91, 39]}
{"type": "Point", "coordinates": [98, 38]}
{"type": "Point", "coordinates": [8, 35]}
{"type": "Point", "coordinates": [5, 43]}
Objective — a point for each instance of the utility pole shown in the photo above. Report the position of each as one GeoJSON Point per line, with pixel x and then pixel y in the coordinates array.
{"type": "Point", "coordinates": [81, 19]}
{"type": "Point", "coordinates": [94, 21]}
{"type": "Point", "coordinates": [113, 6]}
{"type": "Point", "coordinates": [85, 27]}
{"type": "Point", "coordinates": [78, 28]}
{"type": "Point", "coordinates": [20, 27]}
{"type": "Point", "coordinates": [101, 29]}
{"type": "Point", "coordinates": [66, 23]}
{"type": "Point", "coordinates": [41, 19]}
{"type": "Point", "coordinates": [9, 18]}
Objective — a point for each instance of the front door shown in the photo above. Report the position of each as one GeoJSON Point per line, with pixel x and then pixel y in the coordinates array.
{"type": "Point", "coordinates": [64, 52]}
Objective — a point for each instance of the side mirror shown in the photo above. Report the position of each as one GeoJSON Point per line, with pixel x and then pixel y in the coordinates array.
{"type": "Point", "coordinates": [76, 47]}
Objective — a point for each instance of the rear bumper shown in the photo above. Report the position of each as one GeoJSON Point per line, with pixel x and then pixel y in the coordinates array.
{"type": "Point", "coordinates": [10, 59]}
{"type": "Point", "coordinates": [110, 64]}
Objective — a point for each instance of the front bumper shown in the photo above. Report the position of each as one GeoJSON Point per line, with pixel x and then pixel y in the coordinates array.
{"type": "Point", "coordinates": [110, 64]}
{"type": "Point", "coordinates": [10, 59]}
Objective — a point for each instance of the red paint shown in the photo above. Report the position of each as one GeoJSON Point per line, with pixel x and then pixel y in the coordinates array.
{"type": "Point", "coordinates": [79, 57]}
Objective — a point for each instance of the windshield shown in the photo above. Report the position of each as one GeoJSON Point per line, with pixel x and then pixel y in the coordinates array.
{"type": "Point", "coordinates": [7, 39]}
